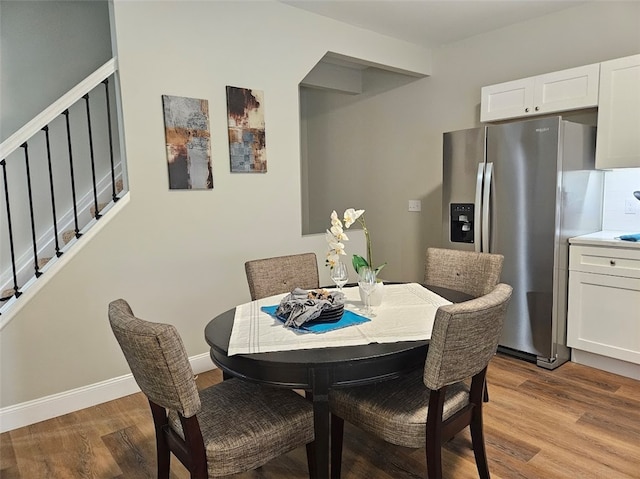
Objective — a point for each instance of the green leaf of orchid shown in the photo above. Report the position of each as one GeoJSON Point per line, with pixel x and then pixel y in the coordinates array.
{"type": "Point", "coordinates": [380, 267]}
{"type": "Point", "coordinates": [358, 262]}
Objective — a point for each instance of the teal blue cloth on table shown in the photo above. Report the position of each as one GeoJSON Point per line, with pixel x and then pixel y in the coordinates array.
{"type": "Point", "coordinates": [349, 318]}
{"type": "Point", "coordinates": [634, 237]}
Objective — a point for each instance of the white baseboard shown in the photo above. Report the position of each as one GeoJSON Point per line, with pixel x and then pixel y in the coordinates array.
{"type": "Point", "coordinates": [30, 412]}
{"type": "Point", "coordinates": [612, 365]}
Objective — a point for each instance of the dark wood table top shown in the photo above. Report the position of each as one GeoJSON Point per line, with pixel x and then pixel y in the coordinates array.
{"type": "Point", "coordinates": [265, 367]}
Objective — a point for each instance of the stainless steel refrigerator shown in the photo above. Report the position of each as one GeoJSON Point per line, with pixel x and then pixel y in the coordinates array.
{"type": "Point", "coordinates": [522, 189]}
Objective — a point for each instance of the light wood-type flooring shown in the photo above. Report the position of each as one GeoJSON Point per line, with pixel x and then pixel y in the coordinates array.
{"type": "Point", "coordinates": [575, 422]}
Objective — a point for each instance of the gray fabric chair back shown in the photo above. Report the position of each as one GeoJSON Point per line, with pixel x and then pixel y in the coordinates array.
{"type": "Point", "coordinates": [157, 359]}
{"type": "Point", "coordinates": [467, 271]}
{"type": "Point", "coordinates": [281, 274]}
{"type": "Point", "coordinates": [465, 337]}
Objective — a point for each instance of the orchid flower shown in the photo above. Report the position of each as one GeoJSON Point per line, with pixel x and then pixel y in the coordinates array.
{"type": "Point", "coordinates": [351, 215]}
{"type": "Point", "coordinates": [336, 235]}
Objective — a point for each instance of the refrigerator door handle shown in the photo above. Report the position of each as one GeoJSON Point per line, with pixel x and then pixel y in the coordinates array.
{"type": "Point", "coordinates": [486, 202]}
{"type": "Point", "coordinates": [477, 215]}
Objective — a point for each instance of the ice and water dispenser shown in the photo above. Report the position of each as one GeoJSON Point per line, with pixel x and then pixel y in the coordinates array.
{"type": "Point", "coordinates": [461, 222]}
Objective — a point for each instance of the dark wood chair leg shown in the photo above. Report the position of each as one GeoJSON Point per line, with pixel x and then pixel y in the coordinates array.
{"type": "Point", "coordinates": [337, 434]}
{"type": "Point", "coordinates": [485, 398]}
{"type": "Point", "coordinates": [434, 434]}
{"type": "Point", "coordinates": [311, 460]}
{"type": "Point", "coordinates": [163, 452]}
{"type": "Point", "coordinates": [477, 440]}
{"type": "Point", "coordinates": [434, 460]}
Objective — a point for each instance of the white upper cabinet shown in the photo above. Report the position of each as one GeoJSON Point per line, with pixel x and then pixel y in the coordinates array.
{"type": "Point", "coordinates": [618, 136]}
{"type": "Point", "coordinates": [565, 90]}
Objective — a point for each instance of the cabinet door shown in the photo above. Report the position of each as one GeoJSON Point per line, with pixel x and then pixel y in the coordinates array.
{"type": "Point", "coordinates": [618, 140]}
{"type": "Point", "coordinates": [566, 90]}
{"type": "Point", "coordinates": [507, 100]}
{"type": "Point", "coordinates": [603, 315]}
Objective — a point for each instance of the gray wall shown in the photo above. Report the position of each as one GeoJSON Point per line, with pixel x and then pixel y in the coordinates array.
{"type": "Point", "coordinates": [46, 47]}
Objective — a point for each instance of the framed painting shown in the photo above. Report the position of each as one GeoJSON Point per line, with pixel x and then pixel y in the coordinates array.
{"type": "Point", "coordinates": [186, 127]}
{"type": "Point", "coordinates": [247, 146]}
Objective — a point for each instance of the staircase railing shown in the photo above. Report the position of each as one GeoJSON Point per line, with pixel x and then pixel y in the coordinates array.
{"type": "Point", "coordinates": [59, 173]}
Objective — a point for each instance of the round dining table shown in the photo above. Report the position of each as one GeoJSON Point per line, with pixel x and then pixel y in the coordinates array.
{"type": "Point", "coordinates": [321, 369]}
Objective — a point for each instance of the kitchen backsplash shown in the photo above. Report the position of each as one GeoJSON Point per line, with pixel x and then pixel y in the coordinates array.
{"type": "Point", "coordinates": [621, 208]}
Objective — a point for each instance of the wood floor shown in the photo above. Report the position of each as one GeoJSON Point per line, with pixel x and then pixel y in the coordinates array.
{"type": "Point", "coordinates": [575, 422]}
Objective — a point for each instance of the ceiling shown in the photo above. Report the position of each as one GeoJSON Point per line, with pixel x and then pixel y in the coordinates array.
{"type": "Point", "coordinates": [432, 23]}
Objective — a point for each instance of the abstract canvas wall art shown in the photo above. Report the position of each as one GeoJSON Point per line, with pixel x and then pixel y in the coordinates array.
{"type": "Point", "coordinates": [186, 126]}
{"type": "Point", "coordinates": [247, 147]}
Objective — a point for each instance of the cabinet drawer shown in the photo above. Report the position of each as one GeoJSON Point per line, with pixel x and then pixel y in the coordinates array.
{"type": "Point", "coordinates": [609, 261]}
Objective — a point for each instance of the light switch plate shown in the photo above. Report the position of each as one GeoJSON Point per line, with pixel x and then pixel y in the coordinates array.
{"type": "Point", "coordinates": [630, 207]}
{"type": "Point", "coordinates": [415, 205]}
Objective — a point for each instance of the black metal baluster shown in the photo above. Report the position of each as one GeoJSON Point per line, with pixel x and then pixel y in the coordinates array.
{"type": "Point", "coordinates": [114, 194]}
{"type": "Point", "coordinates": [36, 267]}
{"type": "Point", "coordinates": [93, 161]}
{"type": "Point", "coordinates": [16, 289]}
{"type": "Point", "coordinates": [53, 196]}
{"type": "Point", "coordinates": [73, 180]}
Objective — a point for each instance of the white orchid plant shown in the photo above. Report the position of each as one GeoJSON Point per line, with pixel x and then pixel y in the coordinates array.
{"type": "Point", "coordinates": [336, 238]}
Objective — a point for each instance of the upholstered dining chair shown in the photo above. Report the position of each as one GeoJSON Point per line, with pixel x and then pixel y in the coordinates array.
{"type": "Point", "coordinates": [281, 274]}
{"type": "Point", "coordinates": [227, 428]}
{"type": "Point", "coordinates": [471, 272]}
{"type": "Point", "coordinates": [468, 271]}
{"type": "Point", "coordinates": [427, 408]}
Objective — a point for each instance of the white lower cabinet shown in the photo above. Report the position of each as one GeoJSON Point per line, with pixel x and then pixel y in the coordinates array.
{"type": "Point", "coordinates": [604, 305]}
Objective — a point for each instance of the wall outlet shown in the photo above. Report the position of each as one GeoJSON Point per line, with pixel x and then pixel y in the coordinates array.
{"type": "Point", "coordinates": [415, 205]}
{"type": "Point", "coordinates": [630, 207]}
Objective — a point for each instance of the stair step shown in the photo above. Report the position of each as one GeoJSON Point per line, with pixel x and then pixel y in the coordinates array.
{"type": "Point", "coordinates": [8, 293]}
{"type": "Point", "coordinates": [68, 236]}
{"type": "Point", "coordinates": [101, 206]}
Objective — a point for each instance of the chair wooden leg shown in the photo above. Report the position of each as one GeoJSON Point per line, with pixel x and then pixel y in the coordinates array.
{"type": "Point", "coordinates": [485, 398]}
{"type": "Point", "coordinates": [311, 460]}
{"type": "Point", "coordinates": [434, 460]}
{"type": "Point", "coordinates": [337, 434]}
{"type": "Point", "coordinates": [163, 452]}
{"type": "Point", "coordinates": [477, 440]}
{"type": "Point", "coordinates": [434, 434]}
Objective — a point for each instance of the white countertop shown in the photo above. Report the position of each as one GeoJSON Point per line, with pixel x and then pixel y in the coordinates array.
{"type": "Point", "coordinates": [606, 238]}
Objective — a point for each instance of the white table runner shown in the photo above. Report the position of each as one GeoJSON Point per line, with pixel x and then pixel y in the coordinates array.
{"type": "Point", "coordinates": [406, 314]}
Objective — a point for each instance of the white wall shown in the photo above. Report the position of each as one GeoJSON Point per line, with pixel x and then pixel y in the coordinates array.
{"type": "Point", "coordinates": [619, 186]}
{"type": "Point", "coordinates": [178, 256]}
